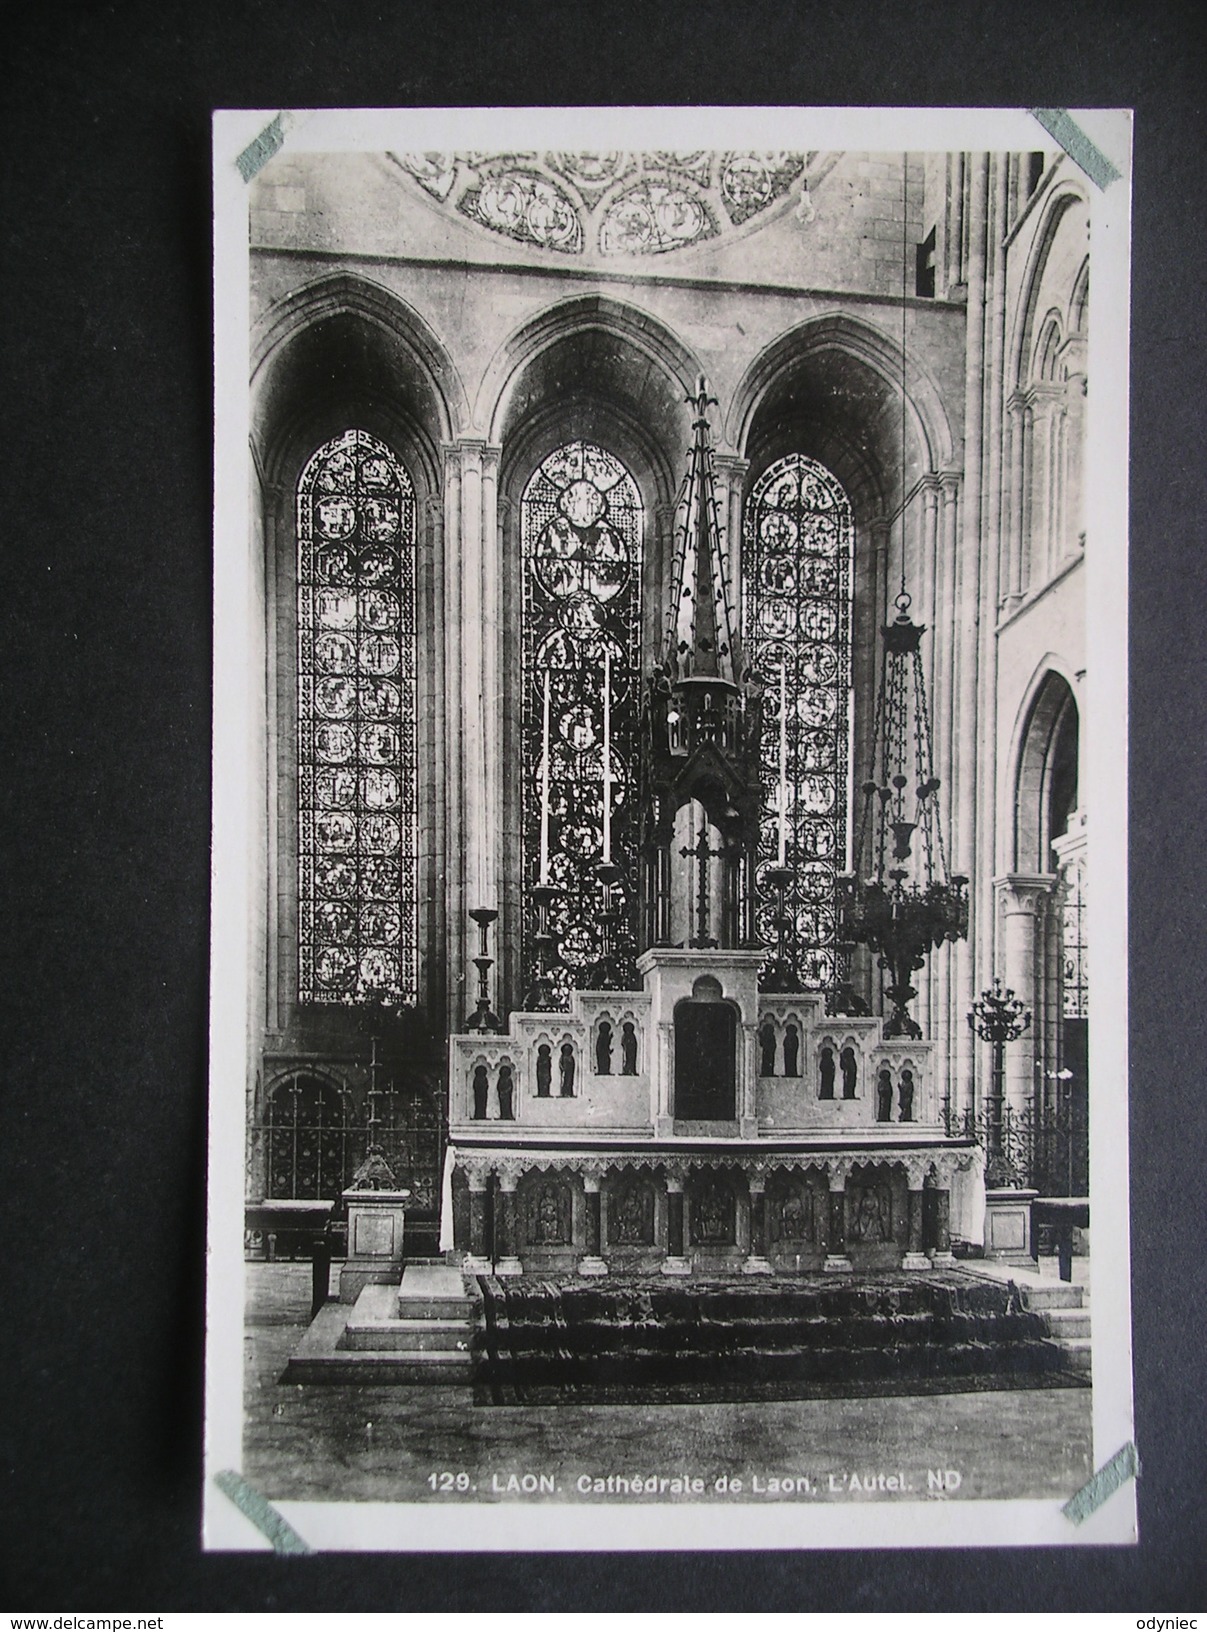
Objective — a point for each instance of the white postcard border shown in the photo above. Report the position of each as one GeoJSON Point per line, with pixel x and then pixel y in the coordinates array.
{"type": "Point", "coordinates": [521, 1527]}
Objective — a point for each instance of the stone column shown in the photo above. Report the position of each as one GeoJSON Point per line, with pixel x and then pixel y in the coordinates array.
{"type": "Point", "coordinates": [943, 638]}
{"type": "Point", "coordinates": [1022, 900]}
{"type": "Point", "coordinates": [476, 1262]}
{"type": "Point", "coordinates": [748, 1068]}
{"type": "Point", "coordinates": [836, 1261]}
{"type": "Point", "coordinates": [472, 676]}
{"type": "Point", "coordinates": [591, 1263]}
{"type": "Point", "coordinates": [730, 478]}
{"type": "Point", "coordinates": [757, 1263]}
{"type": "Point", "coordinates": [461, 986]}
{"type": "Point", "coordinates": [1013, 573]}
{"type": "Point", "coordinates": [661, 1083]}
{"type": "Point", "coordinates": [506, 1261]}
{"type": "Point", "coordinates": [966, 595]}
{"type": "Point", "coordinates": [1043, 403]}
{"type": "Point", "coordinates": [491, 765]}
{"type": "Point", "coordinates": [660, 555]}
{"type": "Point", "coordinates": [941, 1254]}
{"type": "Point", "coordinates": [675, 1263]}
{"type": "Point", "coordinates": [915, 1258]}
{"type": "Point", "coordinates": [433, 703]}
{"type": "Point", "coordinates": [1073, 519]}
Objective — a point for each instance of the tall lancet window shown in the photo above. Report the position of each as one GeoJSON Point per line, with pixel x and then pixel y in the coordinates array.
{"type": "Point", "coordinates": [581, 526]}
{"type": "Point", "coordinates": [357, 839]}
{"type": "Point", "coordinates": [796, 572]}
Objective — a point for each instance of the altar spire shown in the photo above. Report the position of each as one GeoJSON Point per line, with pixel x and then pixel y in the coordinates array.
{"type": "Point", "coordinates": [700, 769]}
{"type": "Point", "coordinates": [700, 644]}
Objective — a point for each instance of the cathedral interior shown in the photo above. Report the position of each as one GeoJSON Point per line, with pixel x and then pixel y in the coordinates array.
{"type": "Point", "coordinates": [670, 572]}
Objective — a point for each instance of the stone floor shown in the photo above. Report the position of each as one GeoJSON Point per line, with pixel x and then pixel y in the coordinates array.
{"type": "Point", "coordinates": [332, 1443]}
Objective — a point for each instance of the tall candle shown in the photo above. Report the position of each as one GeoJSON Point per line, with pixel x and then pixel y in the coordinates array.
{"type": "Point", "coordinates": [545, 786]}
{"type": "Point", "coordinates": [783, 855]}
{"type": "Point", "coordinates": [607, 757]}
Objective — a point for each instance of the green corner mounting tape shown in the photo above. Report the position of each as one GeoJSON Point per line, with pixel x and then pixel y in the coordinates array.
{"type": "Point", "coordinates": [257, 154]}
{"type": "Point", "coordinates": [1079, 147]}
{"type": "Point", "coordinates": [1124, 1465]}
{"type": "Point", "coordinates": [262, 1514]}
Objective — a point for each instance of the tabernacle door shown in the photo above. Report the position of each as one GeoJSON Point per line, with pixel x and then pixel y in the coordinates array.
{"type": "Point", "coordinates": [706, 1037]}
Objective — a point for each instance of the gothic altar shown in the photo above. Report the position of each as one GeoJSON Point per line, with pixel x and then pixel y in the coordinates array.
{"type": "Point", "coordinates": [692, 1084]}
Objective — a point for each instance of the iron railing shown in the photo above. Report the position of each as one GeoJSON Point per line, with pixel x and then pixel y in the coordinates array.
{"type": "Point", "coordinates": [1042, 1148]}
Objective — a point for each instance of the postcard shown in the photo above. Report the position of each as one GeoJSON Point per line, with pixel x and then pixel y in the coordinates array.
{"type": "Point", "coordinates": [669, 958]}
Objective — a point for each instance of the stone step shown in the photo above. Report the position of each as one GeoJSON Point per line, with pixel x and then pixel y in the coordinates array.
{"type": "Point", "coordinates": [433, 1292]}
{"type": "Point", "coordinates": [427, 1280]}
{"type": "Point", "coordinates": [1077, 1354]}
{"type": "Point", "coordinates": [407, 1308]}
{"type": "Point", "coordinates": [1067, 1323]}
{"type": "Point", "coordinates": [427, 1336]}
{"type": "Point", "coordinates": [433, 1368]}
{"type": "Point", "coordinates": [1053, 1295]}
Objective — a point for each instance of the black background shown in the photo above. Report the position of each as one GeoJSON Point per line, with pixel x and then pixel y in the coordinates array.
{"type": "Point", "coordinates": [104, 723]}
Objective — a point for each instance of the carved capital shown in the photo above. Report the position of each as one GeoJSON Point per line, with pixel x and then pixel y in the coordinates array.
{"type": "Point", "coordinates": [916, 1169]}
{"type": "Point", "coordinates": [1024, 893]}
{"type": "Point", "coordinates": [730, 468]}
{"type": "Point", "coordinates": [838, 1171]}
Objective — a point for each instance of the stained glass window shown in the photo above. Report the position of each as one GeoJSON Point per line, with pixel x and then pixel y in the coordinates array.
{"type": "Point", "coordinates": [307, 1137]}
{"type": "Point", "coordinates": [796, 571]}
{"type": "Point", "coordinates": [1074, 958]}
{"type": "Point", "coordinates": [356, 726]}
{"type": "Point", "coordinates": [581, 527]}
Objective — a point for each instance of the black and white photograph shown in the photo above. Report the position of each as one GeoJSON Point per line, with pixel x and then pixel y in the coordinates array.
{"type": "Point", "coordinates": [668, 1050]}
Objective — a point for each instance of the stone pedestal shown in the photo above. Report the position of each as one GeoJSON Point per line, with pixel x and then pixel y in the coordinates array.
{"type": "Point", "coordinates": [375, 1230]}
{"type": "Point", "coordinates": [674, 1263]}
{"type": "Point", "coordinates": [506, 1262]}
{"type": "Point", "coordinates": [591, 1263]}
{"type": "Point", "coordinates": [1008, 1223]}
{"type": "Point", "coordinates": [757, 1263]}
{"type": "Point", "coordinates": [914, 1257]}
{"type": "Point", "coordinates": [475, 1261]}
{"type": "Point", "coordinates": [941, 1255]}
{"type": "Point", "coordinates": [836, 1260]}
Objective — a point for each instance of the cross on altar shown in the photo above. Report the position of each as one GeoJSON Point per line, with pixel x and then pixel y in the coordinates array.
{"type": "Point", "coordinates": [703, 853]}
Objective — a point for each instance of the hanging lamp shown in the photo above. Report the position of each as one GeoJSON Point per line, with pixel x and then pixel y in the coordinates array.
{"type": "Point", "coordinates": [900, 902]}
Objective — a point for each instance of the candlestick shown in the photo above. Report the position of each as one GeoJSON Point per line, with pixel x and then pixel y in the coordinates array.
{"type": "Point", "coordinates": [607, 758]}
{"type": "Point", "coordinates": [780, 973]}
{"type": "Point", "coordinates": [545, 786]}
{"type": "Point", "coordinates": [483, 1017]}
{"type": "Point", "coordinates": [783, 847]}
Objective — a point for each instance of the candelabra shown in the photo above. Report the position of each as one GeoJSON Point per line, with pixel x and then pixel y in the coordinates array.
{"type": "Point", "coordinates": [540, 996]}
{"type": "Point", "coordinates": [898, 905]}
{"type": "Point", "coordinates": [998, 1017]}
{"type": "Point", "coordinates": [780, 974]}
{"type": "Point", "coordinates": [841, 997]}
{"type": "Point", "coordinates": [608, 973]}
{"type": "Point", "coordinates": [483, 1018]}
